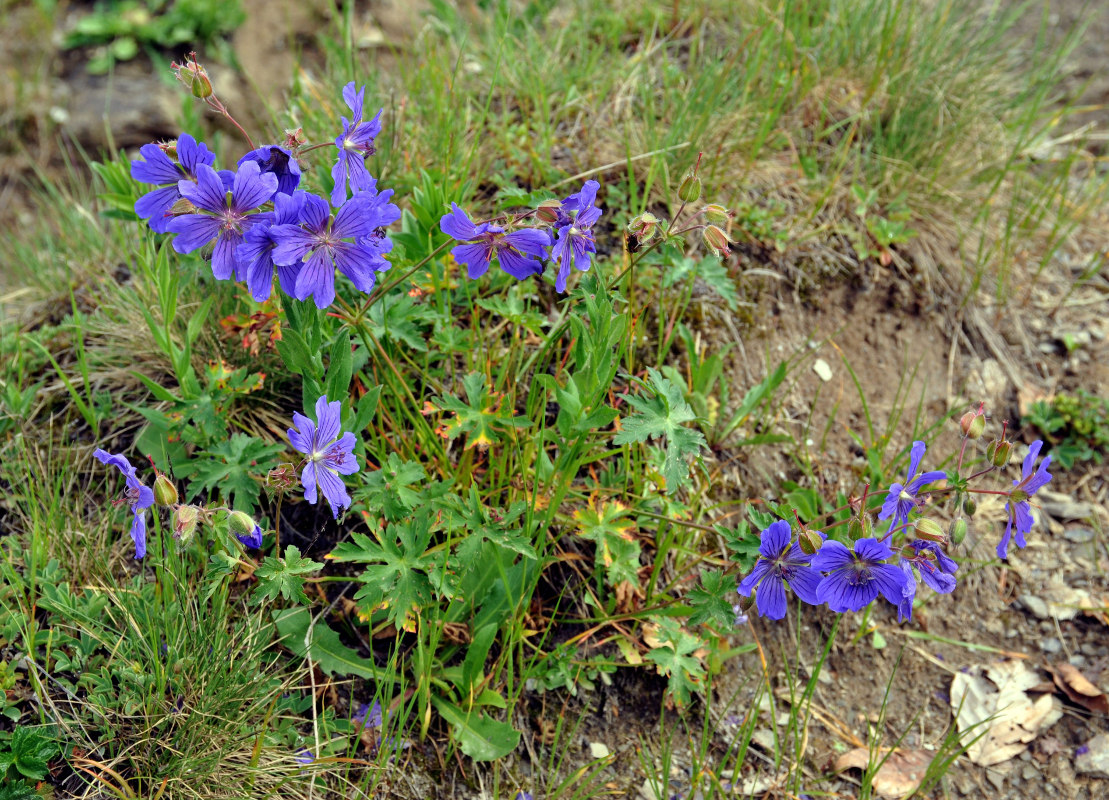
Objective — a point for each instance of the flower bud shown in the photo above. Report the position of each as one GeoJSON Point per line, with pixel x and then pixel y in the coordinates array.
{"type": "Point", "coordinates": [281, 478]}
{"type": "Point", "coordinates": [860, 527]}
{"type": "Point", "coordinates": [184, 523]}
{"type": "Point", "coordinates": [192, 75]}
{"type": "Point", "coordinates": [999, 452]}
{"type": "Point", "coordinates": [716, 214]}
{"type": "Point", "coordinates": [969, 507]}
{"type": "Point", "coordinates": [644, 226]}
{"type": "Point", "coordinates": [548, 211]}
{"type": "Point", "coordinates": [809, 541]}
{"type": "Point", "coordinates": [294, 138]}
{"type": "Point", "coordinates": [908, 552]}
{"type": "Point", "coordinates": [252, 540]}
{"type": "Point", "coordinates": [716, 240]}
{"type": "Point", "coordinates": [972, 424]}
{"type": "Point", "coordinates": [958, 531]}
{"type": "Point", "coordinates": [165, 493]}
{"type": "Point", "coordinates": [929, 530]}
{"type": "Point", "coordinates": [689, 190]}
{"type": "Point", "coordinates": [240, 523]}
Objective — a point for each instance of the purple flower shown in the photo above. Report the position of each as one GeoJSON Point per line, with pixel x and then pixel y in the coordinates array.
{"type": "Point", "coordinates": [160, 170]}
{"type": "Point", "coordinates": [780, 564]}
{"type": "Point", "coordinates": [328, 455]}
{"type": "Point", "coordinates": [305, 757]}
{"type": "Point", "coordinates": [279, 162]}
{"type": "Point", "coordinates": [522, 795]}
{"type": "Point", "coordinates": [516, 252]}
{"type": "Point", "coordinates": [324, 242]}
{"type": "Point", "coordinates": [253, 540]}
{"type": "Point", "coordinates": [902, 497]}
{"type": "Point", "coordinates": [368, 715]}
{"type": "Point", "coordinates": [933, 565]}
{"type": "Point", "coordinates": [137, 496]}
{"type": "Point", "coordinates": [575, 235]}
{"type": "Point", "coordinates": [256, 251]}
{"type": "Point", "coordinates": [227, 217]}
{"type": "Point", "coordinates": [1020, 512]}
{"type": "Point", "coordinates": [354, 144]}
{"type": "Point", "coordinates": [854, 579]}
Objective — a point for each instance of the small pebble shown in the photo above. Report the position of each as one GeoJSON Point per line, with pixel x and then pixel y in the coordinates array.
{"type": "Point", "coordinates": [1051, 645]}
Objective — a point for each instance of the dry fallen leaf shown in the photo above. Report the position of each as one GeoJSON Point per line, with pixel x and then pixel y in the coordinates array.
{"type": "Point", "coordinates": [1078, 688]}
{"type": "Point", "coordinates": [899, 775]}
{"type": "Point", "coordinates": [1004, 719]}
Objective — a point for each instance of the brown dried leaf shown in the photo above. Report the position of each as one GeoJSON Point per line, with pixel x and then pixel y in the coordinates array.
{"type": "Point", "coordinates": [1079, 689]}
{"type": "Point", "coordinates": [899, 775]}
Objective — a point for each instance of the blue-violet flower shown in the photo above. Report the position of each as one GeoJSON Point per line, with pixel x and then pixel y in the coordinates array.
{"type": "Point", "coordinates": [516, 252]}
{"type": "Point", "coordinates": [160, 170]}
{"type": "Point", "coordinates": [278, 161]}
{"type": "Point", "coordinates": [854, 579]}
{"type": "Point", "coordinates": [780, 564]}
{"type": "Point", "coordinates": [354, 144]}
{"type": "Point", "coordinates": [256, 251]}
{"type": "Point", "coordinates": [1032, 479]}
{"type": "Point", "coordinates": [575, 236]}
{"type": "Point", "coordinates": [935, 568]}
{"type": "Point", "coordinates": [902, 498]}
{"type": "Point", "coordinates": [137, 496]}
{"type": "Point", "coordinates": [329, 456]}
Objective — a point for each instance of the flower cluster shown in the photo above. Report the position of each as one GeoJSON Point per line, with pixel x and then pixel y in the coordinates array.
{"type": "Point", "coordinates": [566, 244]}
{"type": "Point", "coordinates": [259, 223]}
{"type": "Point", "coordinates": [848, 578]}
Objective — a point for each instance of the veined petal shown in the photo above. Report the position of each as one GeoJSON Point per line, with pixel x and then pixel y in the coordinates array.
{"type": "Point", "coordinates": [872, 550]}
{"type": "Point", "coordinates": [832, 555]}
{"type": "Point", "coordinates": [474, 256]}
{"type": "Point", "coordinates": [518, 266]}
{"type": "Point", "coordinates": [302, 434]}
{"type": "Point", "coordinates": [252, 187]}
{"type": "Point", "coordinates": [775, 539]}
{"type": "Point", "coordinates": [770, 598]}
{"type": "Point", "coordinates": [528, 241]}
{"type": "Point", "coordinates": [747, 585]}
{"type": "Point", "coordinates": [193, 231]}
{"type": "Point", "coordinates": [308, 481]}
{"type": "Point", "coordinates": [191, 154]}
{"type": "Point", "coordinates": [1030, 459]}
{"type": "Point", "coordinates": [458, 225]}
{"type": "Point", "coordinates": [333, 489]}
{"type": "Point", "coordinates": [317, 278]}
{"type": "Point", "coordinates": [889, 580]}
{"type": "Point", "coordinates": [804, 581]}
{"type": "Point", "coordinates": [155, 206]}
{"type": "Point", "coordinates": [207, 192]}
{"type": "Point", "coordinates": [138, 533]}
{"type": "Point", "coordinates": [327, 423]}
{"type": "Point", "coordinates": [157, 168]}
{"type": "Point", "coordinates": [915, 456]}
{"type": "Point", "coordinates": [224, 262]}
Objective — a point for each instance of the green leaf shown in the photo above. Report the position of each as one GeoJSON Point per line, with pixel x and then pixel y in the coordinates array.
{"type": "Point", "coordinates": [712, 602]}
{"type": "Point", "coordinates": [294, 351]}
{"type": "Point", "coordinates": [609, 527]}
{"type": "Point", "coordinates": [282, 576]}
{"type": "Point", "coordinates": [394, 489]}
{"type": "Point", "coordinates": [478, 736]}
{"type": "Point", "coordinates": [473, 668]}
{"type": "Point", "coordinates": [480, 417]}
{"type": "Point", "coordinates": [323, 643]}
{"type": "Point", "coordinates": [339, 368]}
{"type": "Point", "coordinates": [486, 524]}
{"type": "Point", "coordinates": [742, 545]}
{"type": "Point", "coordinates": [675, 660]}
{"type": "Point", "coordinates": [230, 467]}
{"type": "Point", "coordinates": [663, 416]}
{"type": "Point", "coordinates": [31, 750]}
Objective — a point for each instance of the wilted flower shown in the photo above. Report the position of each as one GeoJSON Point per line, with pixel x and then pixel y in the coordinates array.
{"type": "Point", "coordinates": [516, 252]}
{"type": "Point", "coordinates": [369, 715]}
{"type": "Point", "coordinates": [1020, 512]}
{"type": "Point", "coordinates": [157, 168]}
{"type": "Point", "coordinates": [933, 565]}
{"type": "Point", "coordinates": [902, 498]}
{"type": "Point", "coordinates": [354, 144]}
{"type": "Point", "coordinates": [780, 564]}
{"type": "Point", "coordinates": [137, 496]}
{"type": "Point", "coordinates": [225, 215]}
{"type": "Point", "coordinates": [854, 579]}
{"type": "Point", "coordinates": [277, 161]}
{"type": "Point", "coordinates": [329, 456]}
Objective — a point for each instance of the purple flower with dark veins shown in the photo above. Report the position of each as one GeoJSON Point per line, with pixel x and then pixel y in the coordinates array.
{"type": "Point", "coordinates": [780, 564]}
{"type": "Point", "coordinates": [278, 161]}
{"type": "Point", "coordinates": [935, 568]}
{"type": "Point", "coordinates": [225, 215]}
{"type": "Point", "coordinates": [252, 540]}
{"type": "Point", "coordinates": [159, 169]}
{"type": "Point", "coordinates": [137, 496]}
{"type": "Point", "coordinates": [1032, 479]}
{"type": "Point", "coordinates": [902, 498]}
{"type": "Point", "coordinates": [516, 252]}
{"type": "Point", "coordinates": [854, 579]}
{"type": "Point", "coordinates": [326, 242]}
{"type": "Point", "coordinates": [574, 242]}
{"type": "Point", "coordinates": [354, 144]}
{"type": "Point", "coordinates": [328, 454]}
{"type": "Point", "coordinates": [256, 251]}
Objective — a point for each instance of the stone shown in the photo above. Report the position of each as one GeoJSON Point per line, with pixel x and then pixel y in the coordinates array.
{"type": "Point", "coordinates": [1094, 760]}
{"type": "Point", "coordinates": [1051, 645]}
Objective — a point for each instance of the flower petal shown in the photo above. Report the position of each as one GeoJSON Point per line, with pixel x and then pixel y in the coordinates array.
{"type": "Point", "coordinates": [770, 599]}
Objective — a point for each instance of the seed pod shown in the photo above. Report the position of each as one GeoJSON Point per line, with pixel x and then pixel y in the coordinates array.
{"type": "Point", "coordinates": [929, 530]}
{"type": "Point", "coordinates": [715, 239]}
{"type": "Point", "coordinates": [969, 507]}
{"type": "Point", "coordinates": [184, 523]}
{"type": "Point", "coordinates": [644, 226]}
{"type": "Point", "coordinates": [547, 212]}
{"type": "Point", "coordinates": [716, 214]}
{"type": "Point", "coordinates": [999, 452]}
{"type": "Point", "coordinates": [958, 531]}
{"type": "Point", "coordinates": [165, 493]}
{"type": "Point", "coordinates": [809, 541]}
{"type": "Point", "coordinates": [689, 190]}
{"type": "Point", "coordinates": [240, 523]}
{"type": "Point", "coordinates": [972, 424]}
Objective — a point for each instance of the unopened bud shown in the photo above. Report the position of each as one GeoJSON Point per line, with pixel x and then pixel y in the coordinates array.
{"type": "Point", "coordinates": [958, 531]}
{"type": "Point", "coordinates": [294, 138]}
{"type": "Point", "coordinates": [972, 424]}
{"type": "Point", "coordinates": [253, 539]}
{"type": "Point", "coordinates": [184, 523]}
{"type": "Point", "coordinates": [715, 239]}
{"type": "Point", "coordinates": [193, 76]}
{"type": "Point", "coordinates": [548, 211]}
{"type": "Point", "coordinates": [716, 214]}
{"type": "Point", "coordinates": [929, 530]}
{"type": "Point", "coordinates": [745, 603]}
{"type": "Point", "coordinates": [240, 523]}
{"type": "Point", "coordinates": [809, 541]}
{"type": "Point", "coordinates": [908, 552]}
{"type": "Point", "coordinates": [689, 190]}
{"type": "Point", "coordinates": [644, 226]}
{"type": "Point", "coordinates": [182, 206]}
{"type": "Point", "coordinates": [860, 527]}
{"type": "Point", "coordinates": [999, 452]}
{"type": "Point", "coordinates": [165, 493]}
{"type": "Point", "coordinates": [969, 506]}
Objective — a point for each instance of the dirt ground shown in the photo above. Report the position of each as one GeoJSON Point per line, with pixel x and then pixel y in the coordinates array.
{"type": "Point", "coordinates": [1045, 608]}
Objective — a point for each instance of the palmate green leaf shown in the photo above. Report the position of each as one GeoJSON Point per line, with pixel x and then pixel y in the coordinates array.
{"type": "Point", "coordinates": [675, 660]}
{"type": "Point", "coordinates": [400, 319]}
{"type": "Point", "coordinates": [398, 575]}
{"type": "Point", "coordinates": [282, 576]}
{"type": "Point", "coordinates": [478, 736]}
{"type": "Point", "coordinates": [741, 543]}
{"type": "Point", "coordinates": [711, 602]}
{"type": "Point", "coordinates": [709, 269]}
{"type": "Point", "coordinates": [393, 490]}
{"type": "Point", "coordinates": [663, 416]}
{"type": "Point", "coordinates": [480, 417]}
{"type": "Point", "coordinates": [230, 467]}
{"type": "Point", "coordinates": [484, 523]}
{"type": "Point", "coordinates": [609, 527]}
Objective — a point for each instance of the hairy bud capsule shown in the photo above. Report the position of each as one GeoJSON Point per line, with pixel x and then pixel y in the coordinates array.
{"type": "Point", "coordinates": [972, 424]}
{"type": "Point", "coordinates": [716, 240]}
{"type": "Point", "coordinates": [192, 75]}
{"type": "Point", "coordinates": [689, 190]}
{"type": "Point", "coordinates": [548, 211]}
{"type": "Point", "coordinates": [958, 531]}
{"type": "Point", "coordinates": [644, 226]}
{"type": "Point", "coordinates": [184, 523]}
{"type": "Point", "coordinates": [716, 214]}
{"type": "Point", "coordinates": [929, 530]}
{"type": "Point", "coordinates": [240, 523]}
{"type": "Point", "coordinates": [999, 452]}
{"type": "Point", "coordinates": [809, 541]}
{"type": "Point", "coordinates": [969, 507]}
{"type": "Point", "coordinates": [860, 527]}
{"type": "Point", "coordinates": [165, 493]}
